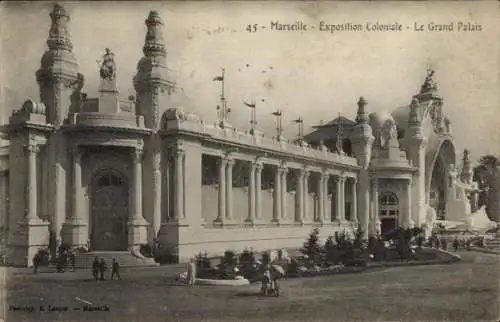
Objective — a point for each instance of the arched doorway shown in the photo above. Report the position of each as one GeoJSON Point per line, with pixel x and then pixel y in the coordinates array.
{"type": "Point", "coordinates": [109, 212]}
{"type": "Point", "coordinates": [388, 212]}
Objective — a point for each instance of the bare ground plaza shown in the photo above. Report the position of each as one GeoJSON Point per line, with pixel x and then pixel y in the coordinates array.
{"type": "Point", "coordinates": [465, 291]}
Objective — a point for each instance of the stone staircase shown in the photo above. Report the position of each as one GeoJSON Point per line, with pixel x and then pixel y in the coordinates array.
{"type": "Point", "coordinates": [493, 243]}
{"type": "Point", "coordinates": [124, 258]}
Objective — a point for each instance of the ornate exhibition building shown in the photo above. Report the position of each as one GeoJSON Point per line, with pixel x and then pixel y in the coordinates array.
{"type": "Point", "coordinates": [113, 174]}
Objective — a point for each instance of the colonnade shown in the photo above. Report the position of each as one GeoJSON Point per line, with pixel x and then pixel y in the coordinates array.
{"type": "Point", "coordinates": [280, 211]}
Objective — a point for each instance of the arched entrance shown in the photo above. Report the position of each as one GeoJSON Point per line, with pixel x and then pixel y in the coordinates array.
{"type": "Point", "coordinates": [109, 212]}
{"type": "Point", "coordinates": [438, 177]}
{"type": "Point", "coordinates": [388, 212]}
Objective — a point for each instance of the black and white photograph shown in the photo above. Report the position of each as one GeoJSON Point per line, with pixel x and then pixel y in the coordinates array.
{"type": "Point", "coordinates": [249, 161]}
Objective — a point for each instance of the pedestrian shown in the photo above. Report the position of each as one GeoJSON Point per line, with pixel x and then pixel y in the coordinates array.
{"type": "Point", "coordinates": [115, 270]}
{"type": "Point", "coordinates": [72, 258]}
{"type": "Point", "coordinates": [95, 268]}
{"type": "Point", "coordinates": [36, 262]}
{"type": "Point", "coordinates": [456, 244]}
{"type": "Point", "coordinates": [191, 276]}
{"type": "Point", "coordinates": [102, 268]}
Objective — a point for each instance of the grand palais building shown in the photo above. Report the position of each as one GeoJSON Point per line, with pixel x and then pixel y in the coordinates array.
{"type": "Point", "coordinates": [116, 174]}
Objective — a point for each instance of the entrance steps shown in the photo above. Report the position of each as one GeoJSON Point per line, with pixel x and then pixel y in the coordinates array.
{"type": "Point", "coordinates": [493, 243]}
{"type": "Point", "coordinates": [124, 258]}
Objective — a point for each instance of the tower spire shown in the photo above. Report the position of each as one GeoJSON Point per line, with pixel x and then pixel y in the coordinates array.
{"type": "Point", "coordinates": [58, 77]}
{"type": "Point", "coordinates": [413, 119]}
{"type": "Point", "coordinates": [362, 116]}
{"type": "Point", "coordinates": [339, 135]}
{"type": "Point", "coordinates": [152, 79]}
{"type": "Point", "coordinates": [466, 174]}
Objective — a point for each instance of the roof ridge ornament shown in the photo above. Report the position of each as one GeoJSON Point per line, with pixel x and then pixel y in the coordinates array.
{"type": "Point", "coordinates": [414, 118]}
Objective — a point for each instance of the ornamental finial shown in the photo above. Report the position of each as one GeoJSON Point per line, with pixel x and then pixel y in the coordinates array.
{"type": "Point", "coordinates": [429, 84]}
{"type": "Point", "coordinates": [59, 37]}
{"type": "Point", "coordinates": [154, 44]}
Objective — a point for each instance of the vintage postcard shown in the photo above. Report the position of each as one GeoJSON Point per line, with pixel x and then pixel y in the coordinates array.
{"type": "Point", "coordinates": [249, 161]}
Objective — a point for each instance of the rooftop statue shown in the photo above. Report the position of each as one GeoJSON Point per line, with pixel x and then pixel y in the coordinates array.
{"type": "Point", "coordinates": [389, 132]}
{"type": "Point", "coordinates": [429, 84]}
{"type": "Point", "coordinates": [108, 67]}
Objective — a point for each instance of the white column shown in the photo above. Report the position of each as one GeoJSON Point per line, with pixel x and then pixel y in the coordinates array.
{"type": "Point", "coordinates": [305, 213]}
{"type": "Point", "coordinates": [77, 184]}
{"type": "Point", "coordinates": [157, 187]}
{"type": "Point", "coordinates": [409, 221]}
{"type": "Point", "coordinates": [166, 191]}
{"type": "Point", "coordinates": [354, 203]}
{"type": "Point", "coordinates": [284, 211]}
{"type": "Point", "coordinates": [251, 193]}
{"type": "Point", "coordinates": [229, 189]}
{"type": "Point", "coordinates": [277, 194]}
{"type": "Point", "coordinates": [341, 199]}
{"type": "Point", "coordinates": [321, 197]}
{"type": "Point", "coordinates": [32, 190]}
{"type": "Point", "coordinates": [179, 185]}
{"type": "Point", "coordinates": [258, 192]}
{"type": "Point", "coordinates": [222, 189]}
{"type": "Point", "coordinates": [374, 218]}
{"type": "Point", "coordinates": [137, 185]}
{"type": "Point", "coordinates": [299, 213]}
{"type": "Point", "coordinates": [327, 217]}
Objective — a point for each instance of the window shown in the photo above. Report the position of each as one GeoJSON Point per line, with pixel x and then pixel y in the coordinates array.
{"type": "Point", "coordinates": [388, 205]}
{"type": "Point", "coordinates": [109, 180]}
{"type": "Point", "coordinates": [388, 200]}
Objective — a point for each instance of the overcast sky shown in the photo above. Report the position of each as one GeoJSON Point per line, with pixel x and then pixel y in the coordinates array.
{"type": "Point", "coordinates": [314, 74]}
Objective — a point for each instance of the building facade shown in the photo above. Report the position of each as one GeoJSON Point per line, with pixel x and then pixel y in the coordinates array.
{"type": "Point", "coordinates": [116, 174]}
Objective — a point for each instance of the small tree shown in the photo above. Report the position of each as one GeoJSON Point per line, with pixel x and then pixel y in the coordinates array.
{"type": "Point", "coordinates": [312, 247]}
{"type": "Point", "coordinates": [330, 250]}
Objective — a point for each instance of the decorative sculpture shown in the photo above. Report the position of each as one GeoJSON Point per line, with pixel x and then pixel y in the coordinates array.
{"type": "Point", "coordinates": [389, 132]}
{"type": "Point", "coordinates": [108, 67]}
{"type": "Point", "coordinates": [429, 84]}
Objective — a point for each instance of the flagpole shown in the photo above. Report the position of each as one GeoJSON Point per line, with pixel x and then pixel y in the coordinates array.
{"type": "Point", "coordinates": [339, 135]}
{"type": "Point", "coordinates": [223, 99]}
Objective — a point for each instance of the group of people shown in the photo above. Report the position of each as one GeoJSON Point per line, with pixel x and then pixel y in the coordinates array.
{"type": "Point", "coordinates": [100, 266]}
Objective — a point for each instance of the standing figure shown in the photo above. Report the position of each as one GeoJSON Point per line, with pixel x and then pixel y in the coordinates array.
{"type": "Point", "coordinates": [72, 258]}
{"type": "Point", "coordinates": [36, 262]}
{"type": "Point", "coordinates": [115, 270]}
{"type": "Point", "coordinates": [95, 267]}
{"type": "Point", "coordinates": [191, 276]}
{"type": "Point", "coordinates": [102, 268]}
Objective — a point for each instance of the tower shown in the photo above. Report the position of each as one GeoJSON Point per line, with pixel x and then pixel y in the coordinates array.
{"type": "Point", "coordinates": [152, 86]}
{"type": "Point", "coordinates": [60, 85]}
{"type": "Point", "coordinates": [416, 143]}
{"type": "Point", "coordinates": [466, 173]}
{"type": "Point", "coordinates": [58, 76]}
{"type": "Point", "coordinates": [362, 141]}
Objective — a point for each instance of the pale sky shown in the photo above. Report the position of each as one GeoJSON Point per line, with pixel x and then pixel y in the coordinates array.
{"type": "Point", "coordinates": [314, 74]}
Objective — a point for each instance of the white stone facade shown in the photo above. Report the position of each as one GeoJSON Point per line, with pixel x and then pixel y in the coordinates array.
{"type": "Point", "coordinates": [101, 172]}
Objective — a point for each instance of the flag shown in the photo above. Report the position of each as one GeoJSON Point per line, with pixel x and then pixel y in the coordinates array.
{"type": "Point", "coordinates": [299, 120]}
{"type": "Point", "coordinates": [249, 105]}
{"type": "Point", "coordinates": [277, 113]}
{"type": "Point", "coordinates": [218, 79]}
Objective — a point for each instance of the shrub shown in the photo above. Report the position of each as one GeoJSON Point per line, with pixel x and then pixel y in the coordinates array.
{"type": "Point", "coordinates": [266, 258]}
{"type": "Point", "coordinates": [202, 262]}
{"type": "Point", "coordinates": [312, 247]}
{"type": "Point", "coordinates": [247, 256]}
{"type": "Point", "coordinates": [147, 250]}
{"type": "Point", "coordinates": [64, 247]}
{"type": "Point", "coordinates": [43, 257]}
{"type": "Point", "coordinates": [229, 258]}
{"type": "Point", "coordinates": [81, 249]}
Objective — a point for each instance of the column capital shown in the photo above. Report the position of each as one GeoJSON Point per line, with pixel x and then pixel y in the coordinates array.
{"type": "Point", "coordinates": [229, 161]}
{"type": "Point", "coordinates": [259, 166]}
{"type": "Point", "coordinates": [76, 152]}
{"type": "Point", "coordinates": [137, 155]}
{"type": "Point", "coordinates": [32, 148]}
